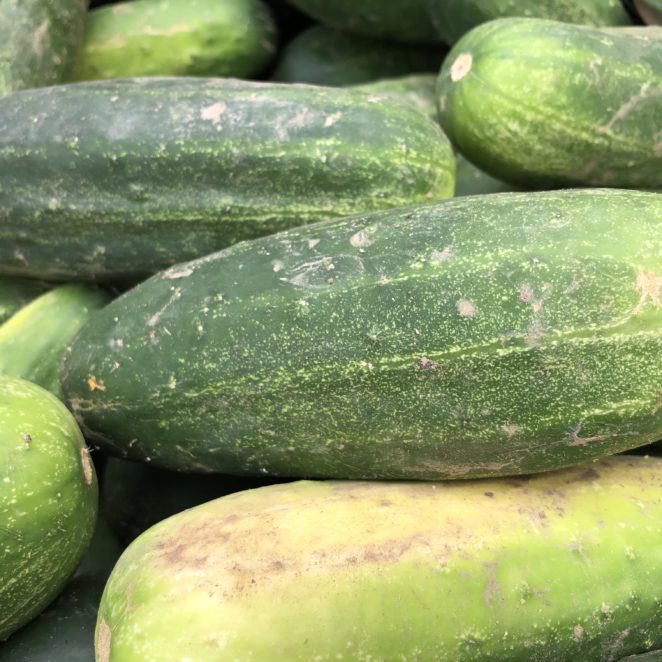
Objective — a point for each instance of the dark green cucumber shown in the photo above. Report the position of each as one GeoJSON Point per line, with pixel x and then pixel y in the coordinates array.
{"type": "Point", "coordinates": [454, 18]}
{"type": "Point", "coordinates": [64, 631]}
{"type": "Point", "coordinates": [177, 38]}
{"type": "Point", "coordinates": [33, 340]}
{"type": "Point", "coordinates": [386, 19]}
{"type": "Point", "coordinates": [48, 500]}
{"type": "Point", "coordinates": [559, 567]}
{"type": "Point", "coordinates": [39, 41]}
{"type": "Point", "coordinates": [481, 336]}
{"type": "Point", "coordinates": [470, 180]}
{"type": "Point", "coordinates": [650, 656]}
{"type": "Point", "coordinates": [135, 495]}
{"type": "Point", "coordinates": [16, 293]}
{"type": "Point", "coordinates": [163, 170]}
{"type": "Point", "coordinates": [542, 103]}
{"type": "Point", "coordinates": [326, 56]}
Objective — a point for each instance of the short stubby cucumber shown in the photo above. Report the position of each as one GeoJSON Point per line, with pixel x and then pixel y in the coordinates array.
{"type": "Point", "coordinates": [558, 567]}
{"type": "Point", "coordinates": [39, 41]}
{"type": "Point", "coordinates": [16, 293]}
{"type": "Point", "coordinates": [454, 18]}
{"type": "Point", "coordinates": [33, 340]}
{"type": "Point", "coordinates": [48, 500]}
{"type": "Point", "coordinates": [388, 19]}
{"type": "Point", "coordinates": [496, 334]}
{"type": "Point", "coordinates": [543, 103]}
{"type": "Point", "coordinates": [326, 56]}
{"type": "Point", "coordinates": [161, 170]}
{"type": "Point", "coordinates": [177, 38]}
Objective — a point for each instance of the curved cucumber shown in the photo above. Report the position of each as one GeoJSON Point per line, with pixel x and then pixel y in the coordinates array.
{"type": "Point", "coordinates": [541, 103]}
{"type": "Point", "coordinates": [33, 340]}
{"type": "Point", "coordinates": [481, 336]}
{"type": "Point", "coordinates": [325, 56]}
{"type": "Point", "coordinates": [48, 500]}
{"type": "Point", "coordinates": [454, 18]}
{"type": "Point", "coordinates": [557, 567]}
{"type": "Point", "coordinates": [161, 170]}
{"type": "Point", "coordinates": [39, 41]}
{"type": "Point", "coordinates": [16, 293]}
{"type": "Point", "coordinates": [177, 38]}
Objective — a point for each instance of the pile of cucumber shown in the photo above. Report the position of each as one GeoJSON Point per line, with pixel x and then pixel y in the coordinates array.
{"type": "Point", "coordinates": [330, 330]}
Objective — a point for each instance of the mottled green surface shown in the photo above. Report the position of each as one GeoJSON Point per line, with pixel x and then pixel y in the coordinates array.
{"type": "Point", "coordinates": [33, 340]}
{"type": "Point", "coordinates": [48, 500]}
{"type": "Point", "coordinates": [164, 170]}
{"type": "Point", "coordinates": [39, 41]}
{"type": "Point", "coordinates": [487, 335]}
{"type": "Point", "coordinates": [401, 20]}
{"type": "Point", "coordinates": [555, 568]}
{"type": "Point", "coordinates": [325, 56]}
{"type": "Point", "coordinates": [542, 103]}
{"type": "Point", "coordinates": [136, 495]}
{"type": "Point", "coordinates": [174, 38]}
{"type": "Point", "coordinates": [453, 18]}
{"type": "Point", "coordinates": [16, 293]}
{"type": "Point", "coordinates": [64, 631]}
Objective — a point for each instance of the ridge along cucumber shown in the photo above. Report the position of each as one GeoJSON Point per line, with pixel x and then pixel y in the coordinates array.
{"type": "Point", "coordinates": [385, 19]}
{"type": "Point", "coordinates": [161, 170]}
{"type": "Point", "coordinates": [48, 500]}
{"type": "Point", "coordinates": [557, 567]}
{"type": "Point", "coordinates": [39, 41]}
{"type": "Point", "coordinates": [482, 336]}
{"type": "Point", "coordinates": [542, 103]}
{"type": "Point", "coordinates": [325, 56]}
{"type": "Point", "coordinates": [33, 340]}
{"type": "Point", "coordinates": [16, 293]}
{"type": "Point", "coordinates": [454, 18]}
{"type": "Point", "coordinates": [177, 38]}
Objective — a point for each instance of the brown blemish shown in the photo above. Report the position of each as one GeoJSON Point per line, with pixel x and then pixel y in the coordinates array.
{"type": "Point", "coordinates": [214, 112]}
{"type": "Point", "coordinates": [489, 494]}
{"type": "Point", "coordinates": [38, 39]}
{"type": "Point", "coordinates": [658, 404]}
{"type": "Point", "coordinates": [88, 469]}
{"type": "Point", "coordinates": [424, 363]}
{"type": "Point", "coordinates": [648, 285]}
{"type": "Point", "coordinates": [466, 308]}
{"type": "Point", "coordinates": [493, 585]}
{"type": "Point", "coordinates": [577, 633]}
{"type": "Point", "coordinates": [27, 438]}
{"type": "Point", "coordinates": [511, 430]}
{"type": "Point", "coordinates": [95, 385]}
{"type": "Point", "coordinates": [586, 475]}
{"type": "Point", "coordinates": [104, 636]}
{"type": "Point", "coordinates": [461, 67]}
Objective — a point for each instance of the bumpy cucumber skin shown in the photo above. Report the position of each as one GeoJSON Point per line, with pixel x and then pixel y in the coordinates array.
{"type": "Point", "coordinates": [454, 18]}
{"type": "Point", "coordinates": [33, 340]}
{"type": "Point", "coordinates": [324, 56]}
{"type": "Point", "coordinates": [557, 567]}
{"type": "Point", "coordinates": [39, 41]}
{"type": "Point", "coordinates": [16, 293]}
{"type": "Point", "coordinates": [48, 500]}
{"type": "Point", "coordinates": [172, 38]}
{"type": "Point", "coordinates": [387, 19]}
{"type": "Point", "coordinates": [165, 170]}
{"type": "Point", "coordinates": [481, 336]}
{"type": "Point", "coordinates": [542, 103]}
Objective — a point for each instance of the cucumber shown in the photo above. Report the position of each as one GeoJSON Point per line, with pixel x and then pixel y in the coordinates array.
{"type": "Point", "coordinates": [487, 335]}
{"type": "Point", "coordinates": [542, 103]}
{"type": "Point", "coordinates": [16, 293]}
{"type": "Point", "coordinates": [555, 567]}
{"type": "Point", "coordinates": [48, 500]}
{"type": "Point", "coordinates": [135, 496]}
{"type": "Point", "coordinates": [227, 160]}
{"type": "Point", "coordinates": [470, 180]}
{"type": "Point", "coordinates": [454, 18]}
{"type": "Point", "coordinates": [39, 41]}
{"type": "Point", "coordinates": [324, 56]}
{"type": "Point", "coordinates": [650, 656]}
{"type": "Point", "coordinates": [177, 38]}
{"type": "Point", "coordinates": [387, 19]}
{"type": "Point", "coordinates": [64, 631]}
{"type": "Point", "coordinates": [33, 340]}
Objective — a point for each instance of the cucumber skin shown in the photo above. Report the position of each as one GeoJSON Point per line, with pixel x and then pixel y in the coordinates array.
{"type": "Point", "coordinates": [384, 19]}
{"type": "Point", "coordinates": [495, 340]}
{"type": "Point", "coordinates": [454, 18]}
{"type": "Point", "coordinates": [48, 500]}
{"type": "Point", "coordinates": [234, 38]}
{"type": "Point", "coordinates": [541, 103]}
{"type": "Point", "coordinates": [325, 56]}
{"type": "Point", "coordinates": [556, 567]}
{"type": "Point", "coordinates": [39, 41]}
{"type": "Point", "coordinates": [142, 194]}
{"type": "Point", "coordinates": [16, 293]}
